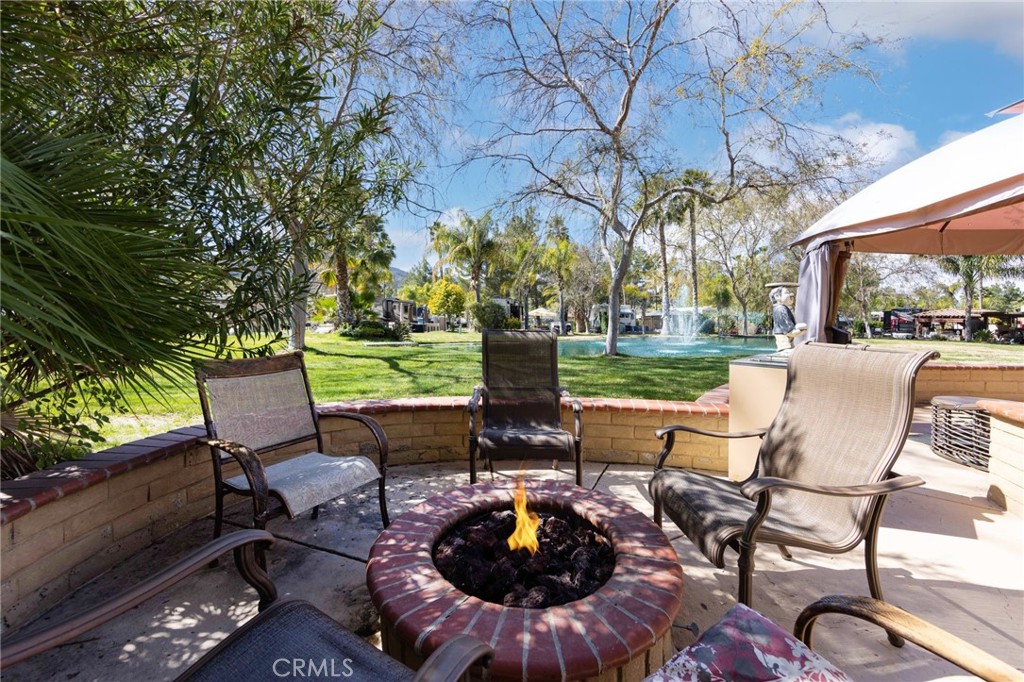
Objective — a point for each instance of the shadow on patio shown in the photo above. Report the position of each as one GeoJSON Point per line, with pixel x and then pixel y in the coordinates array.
{"type": "Point", "coordinates": [945, 554]}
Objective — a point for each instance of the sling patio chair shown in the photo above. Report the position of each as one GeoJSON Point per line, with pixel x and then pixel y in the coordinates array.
{"type": "Point", "coordinates": [257, 405]}
{"type": "Point", "coordinates": [284, 634]}
{"type": "Point", "coordinates": [824, 468]}
{"type": "Point", "coordinates": [521, 401]}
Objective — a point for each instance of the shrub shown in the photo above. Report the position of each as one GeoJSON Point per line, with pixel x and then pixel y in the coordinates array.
{"type": "Point", "coordinates": [983, 336]}
{"type": "Point", "coordinates": [325, 309]}
{"type": "Point", "coordinates": [372, 330]}
{"type": "Point", "coordinates": [937, 336]}
{"type": "Point", "coordinates": [513, 323]}
{"type": "Point", "coordinates": [487, 315]}
{"type": "Point", "coordinates": [859, 328]}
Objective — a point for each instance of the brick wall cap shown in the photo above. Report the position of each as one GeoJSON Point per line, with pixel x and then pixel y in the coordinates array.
{"type": "Point", "coordinates": [1010, 410]}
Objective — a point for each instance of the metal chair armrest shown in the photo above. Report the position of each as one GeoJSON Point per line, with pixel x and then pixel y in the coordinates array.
{"type": "Point", "coordinates": [453, 658]}
{"type": "Point", "coordinates": [577, 411]}
{"type": "Point", "coordinates": [755, 487]}
{"type": "Point", "coordinates": [667, 430]}
{"type": "Point", "coordinates": [375, 428]}
{"type": "Point", "coordinates": [18, 648]}
{"type": "Point", "coordinates": [473, 407]}
{"type": "Point", "coordinates": [668, 434]}
{"type": "Point", "coordinates": [474, 402]}
{"type": "Point", "coordinates": [910, 627]}
{"type": "Point", "coordinates": [252, 467]}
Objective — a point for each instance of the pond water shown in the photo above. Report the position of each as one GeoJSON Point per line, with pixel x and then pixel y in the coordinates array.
{"type": "Point", "coordinates": [655, 345]}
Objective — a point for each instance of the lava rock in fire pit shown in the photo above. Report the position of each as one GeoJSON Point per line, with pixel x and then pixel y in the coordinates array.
{"type": "Point", "coordinates": [573, 561]}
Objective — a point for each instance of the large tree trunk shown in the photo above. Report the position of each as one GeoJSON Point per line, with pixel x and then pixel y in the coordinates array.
{"type": "Point", "coordinates": [865, 315]}
{"type": "Point", "coordinates": [300, 269]}
{"type": "Point", "coordinates": [968, 309]}
{"type": "Point", "coordinates": [619, 272]}
{"type": "Point", "coordinates": [666, 298]}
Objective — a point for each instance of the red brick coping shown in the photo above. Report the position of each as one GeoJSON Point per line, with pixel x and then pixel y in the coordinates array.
{"type": "Point", "coordinates": [20, 496]}
{"type": "Point", "coordinates": [714, 402]}
{"type": "Point", "coordinates": [1007, 409]}
{"type": "Point", "coordinates": [624, 625]}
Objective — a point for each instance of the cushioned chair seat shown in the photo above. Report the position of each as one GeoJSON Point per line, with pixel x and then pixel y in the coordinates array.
{"type": "Point", "coordinates": [713, 513]}
{"type": "Point", "coordinates": [306, 481]}
{"type": "Point", "coordinates": [295, 633]}
{"type": "Point", "coordinates": [526, 443]}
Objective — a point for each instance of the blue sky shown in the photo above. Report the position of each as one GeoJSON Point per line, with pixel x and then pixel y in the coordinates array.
{"type": "Point", "coordinates": [950, 64]}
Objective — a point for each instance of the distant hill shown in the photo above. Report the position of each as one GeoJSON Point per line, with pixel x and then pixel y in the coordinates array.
{"type": "Point", "coordinates": [398, 277]}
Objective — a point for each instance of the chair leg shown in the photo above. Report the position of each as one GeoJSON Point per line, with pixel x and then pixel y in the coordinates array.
{"type": "Point", "coordinates": [785, 552]}
{"type": "Point", "coordinates": [316, 513]}
{"type": "Point", "coordinates": [385, 519]}
{"type": "Point", "coordinates": [871, 564]}
{"type": "Point", "coordinates": [746, 572]}
{"type": "Point", "coordinates": [657, 512]}
{"type": "Point", "coordinates": [218, 515]}
{"type": "Point", "coordinates": [472, 460]}
{"type": "Point", "coordinates": [579, 464]}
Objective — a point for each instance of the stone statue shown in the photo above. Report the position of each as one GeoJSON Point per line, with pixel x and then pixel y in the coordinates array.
{"type": "Point", "coordinates": [784, 325]}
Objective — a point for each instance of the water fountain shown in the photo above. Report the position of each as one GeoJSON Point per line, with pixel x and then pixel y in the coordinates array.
{"type": "Point", "coordinates": [682, 320]}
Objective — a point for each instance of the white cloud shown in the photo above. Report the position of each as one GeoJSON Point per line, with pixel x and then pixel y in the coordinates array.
{"type": "Point", "coordinates": [887, 145]}
{"type": "Point", "coordinates": [999, 23]}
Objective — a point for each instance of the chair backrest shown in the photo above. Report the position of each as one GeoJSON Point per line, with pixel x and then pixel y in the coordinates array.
{"type": "Point", "coordinates": [520, 380]}
{"type": "Point", "coordinates": [843, 421]}
{"type": "Point", "coordinates": [263, 403]}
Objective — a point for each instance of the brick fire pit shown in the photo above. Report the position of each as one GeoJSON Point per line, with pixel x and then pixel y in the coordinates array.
{"type": "Point", "coordinates": [620, 632]}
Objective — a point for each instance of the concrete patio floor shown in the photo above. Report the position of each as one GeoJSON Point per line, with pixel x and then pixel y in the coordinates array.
{"type": "Point", "coordinates": [945, 554]}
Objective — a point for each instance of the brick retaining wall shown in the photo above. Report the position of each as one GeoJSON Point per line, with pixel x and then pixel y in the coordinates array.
{"type": "Point", "coordinates": [1005, 382]}
{"type": "Point", "coordinates": [62, 527]}
{"type": "Point", "coordinates": [1006, 454]}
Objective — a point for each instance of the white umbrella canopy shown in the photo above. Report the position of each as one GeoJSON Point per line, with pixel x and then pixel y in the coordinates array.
{"type": "Point", "coordinates": [542, 312]}
{"type": "Point", "coordinates": [964, 198]}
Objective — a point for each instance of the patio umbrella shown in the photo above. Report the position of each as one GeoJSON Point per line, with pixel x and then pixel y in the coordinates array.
{"type": "Point", "coordinates": [542, 312]}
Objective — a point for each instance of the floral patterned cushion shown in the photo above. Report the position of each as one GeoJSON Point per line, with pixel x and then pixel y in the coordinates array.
{"type": "Point", "coordinates": [747, 647]}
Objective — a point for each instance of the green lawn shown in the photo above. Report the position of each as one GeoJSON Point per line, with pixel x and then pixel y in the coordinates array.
{"type": "Point", "coordinates": [341, 369]}
{"type": "Point", "coordinates": [958, 351]}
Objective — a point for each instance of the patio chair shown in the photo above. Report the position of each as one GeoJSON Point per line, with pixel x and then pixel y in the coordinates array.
{"type": "Point", "coordinates": [824, 468]}
{"type": "Point", "coordinates": [521, 400]}
{"type": "Point", "coordinates": [267, 646]}
{"type": "Point", "coordinates": [744, 646]}
{"type": "Point", "coordinates": [258, 405]}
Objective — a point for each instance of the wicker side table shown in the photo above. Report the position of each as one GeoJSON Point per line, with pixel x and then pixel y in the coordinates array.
{"type": "Point", "coordinates": [960, 430]}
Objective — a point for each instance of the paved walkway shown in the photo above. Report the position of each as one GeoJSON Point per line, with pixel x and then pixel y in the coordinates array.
{"type": "Point", "coordinates": [945, 554]}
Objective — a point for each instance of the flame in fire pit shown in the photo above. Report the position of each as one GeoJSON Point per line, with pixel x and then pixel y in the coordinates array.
{"type": "Point", "coordinates": [525, 535]}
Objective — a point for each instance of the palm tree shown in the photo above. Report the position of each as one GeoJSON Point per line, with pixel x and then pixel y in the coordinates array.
{"type": "Point", "coordinates": [557, 259]}
{"type": "Point", "coordinates": [971, 271]}
{"type": "Point", "coordinates": [472, 245]}
{"type": "Point", "coordinates": [968, 269]}
{"type": "Point", "coordinates": [521, 249]}
{"type": "Point", "coordinates": [673, 212]}
{"type": "Point", "coordinates": [360, 256]}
